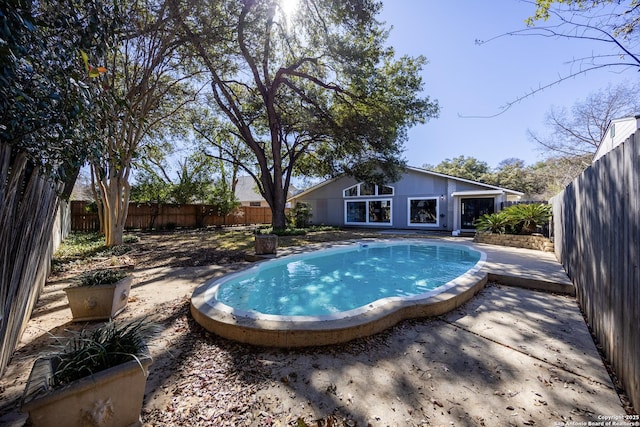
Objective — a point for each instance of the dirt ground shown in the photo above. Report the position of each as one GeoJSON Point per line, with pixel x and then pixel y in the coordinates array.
{"type": "Point", "coordinates": [476, 366]}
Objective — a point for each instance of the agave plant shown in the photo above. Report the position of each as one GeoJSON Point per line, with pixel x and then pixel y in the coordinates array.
{"type": "Point", "coordinates": [89, 352]}
{"type": "Point", "coordinates": [529, 216]}
{"type": "Point", "coordinates": [493, 223]}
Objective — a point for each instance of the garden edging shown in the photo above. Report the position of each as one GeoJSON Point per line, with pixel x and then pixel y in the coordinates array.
{"type": "Point", "coordinates": [533, 241]}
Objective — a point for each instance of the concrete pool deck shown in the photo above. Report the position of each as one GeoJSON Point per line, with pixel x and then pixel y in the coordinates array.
{"type": "Point", "coordinates": [509, 356]}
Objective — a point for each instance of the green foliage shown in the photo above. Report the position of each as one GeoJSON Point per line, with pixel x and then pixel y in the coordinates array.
{"type": "Point", "coordinates": [493, 223]}
{"type": "Point", "coordinates": [46, 93]}
{"type": "Point", "coordinates": [300, 215]}
{"type": "Point", "coordinates": [520, 218]}
{"type": "Point", "coordinates": [528, 217]}
{"type": "Point", "coordinates": [81, 247]}
{"type": "Point", "coordinates": [102, 277]}
{"type": "Point", "coordinates": [462, 167]}
{"type": "Point", "coordinates": [323, 94]}
{"type": "Point", "coordinates": [110, 345]}
{"type": "Point", "coordinates": [223, 198]}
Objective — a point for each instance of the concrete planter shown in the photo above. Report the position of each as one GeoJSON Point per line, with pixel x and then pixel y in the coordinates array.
{"type": "Point", "coordinates": [266, 244]}
{"type": "Point", "coordinates": [98, 302]}
{"type": "Point", "coordinates": [112, 397]}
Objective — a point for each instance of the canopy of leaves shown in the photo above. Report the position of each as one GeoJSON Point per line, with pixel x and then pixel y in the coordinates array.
{"type": "Point", "coordinates": [462, 167]}
{"type": "Point", "coordinates": [45, 87]}
{"type": "Point", "coordinates": [316, 92]}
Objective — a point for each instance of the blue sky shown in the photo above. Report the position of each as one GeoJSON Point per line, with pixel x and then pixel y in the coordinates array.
{"type": "Point", "coordinates": [477, 80]}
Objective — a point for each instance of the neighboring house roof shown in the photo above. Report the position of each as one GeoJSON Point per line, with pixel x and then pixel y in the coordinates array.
{"type": "Point", "coordinates": [247, 190]}
{"type": "Point", "coordinates": [425, 172]}
{"type": "Point", "coordinates": [617, 132]}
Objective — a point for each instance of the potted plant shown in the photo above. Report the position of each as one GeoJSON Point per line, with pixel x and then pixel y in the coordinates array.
{"type": "Point", "coordinates": [101, 294]}
{"type": "Point", "coordinates": [97, 379]}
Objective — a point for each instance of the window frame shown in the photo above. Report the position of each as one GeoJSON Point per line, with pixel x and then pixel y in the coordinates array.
{"type": "Point", "coordinates": [423, 224]}
{"type": "Point", "coordinates": [376, 187]}
{"type": "Point", "coordinates": [367, 202]}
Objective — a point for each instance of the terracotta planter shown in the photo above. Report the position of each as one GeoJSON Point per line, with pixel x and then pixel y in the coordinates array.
{"type": "Point", "coordinates": [100, 301]}
{"type": "Point", "coordinates": [266, 244]}
{"type": "Point", "coordinates": [112, 397]}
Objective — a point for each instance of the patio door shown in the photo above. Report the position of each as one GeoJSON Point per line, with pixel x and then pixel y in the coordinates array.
{"type": "Point", "coordinates": [473, 208]}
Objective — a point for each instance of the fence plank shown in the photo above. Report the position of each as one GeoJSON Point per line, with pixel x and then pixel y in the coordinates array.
{"type": "Point", "coordinates": [597, 238]}
{"type": "Point", "coordinates": [161, 216]}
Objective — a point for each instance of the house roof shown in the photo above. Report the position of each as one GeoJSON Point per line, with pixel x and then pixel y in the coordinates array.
{"type": "Point", "coordinates": [247, 190]}
{"type": "Point", "coordinates": [425, 172]}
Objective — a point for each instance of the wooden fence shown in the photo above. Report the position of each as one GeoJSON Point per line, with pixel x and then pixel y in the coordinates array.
{"type": "Point", "coordinates": [597, 238]}
{"type": "Point", "coordinates": [165, 216]}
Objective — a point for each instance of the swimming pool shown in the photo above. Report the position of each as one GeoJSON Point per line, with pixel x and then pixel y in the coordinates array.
{"type": "Point", "coordinates": [337, 294]}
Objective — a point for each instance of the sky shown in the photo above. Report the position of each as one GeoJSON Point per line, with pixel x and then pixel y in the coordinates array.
{"type": "Point", "coordinates": [477, 80]}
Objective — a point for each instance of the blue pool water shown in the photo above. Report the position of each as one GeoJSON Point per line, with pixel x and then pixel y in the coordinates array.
{"type": "Point", "coordinates": [341, 279]}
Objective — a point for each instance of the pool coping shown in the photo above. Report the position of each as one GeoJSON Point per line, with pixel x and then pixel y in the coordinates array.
{"type": "Point", "coordinates": [305, 331]}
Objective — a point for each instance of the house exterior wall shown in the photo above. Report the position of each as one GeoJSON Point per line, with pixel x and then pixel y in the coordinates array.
{"type": "Point", "coordinates": [617, 132]}
{"type": "Point", "coordinates": [328, 204]}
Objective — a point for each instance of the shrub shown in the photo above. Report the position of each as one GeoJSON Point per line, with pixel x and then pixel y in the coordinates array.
{"type": "Point", "coordinates": [523, 218]}
{"type": "Point", "coordinates": [300, 215]}
{"type": "Point", "coordinates": [102, 277]}
{"type": "Point", "coordinates": [493, 223]}
{"type": "Point", "coordinates": [110, 345]}
{"type": "Point", "coordinates": [528, 217]}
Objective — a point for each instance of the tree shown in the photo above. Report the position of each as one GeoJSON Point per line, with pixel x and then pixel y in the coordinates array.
{"type": "Point", "coordinates": [45, 111]}
{"type": "Point", "coordinates": [577, 134]}
{"type": "Point", "coordinates": [462, 167]}
{"type": "Point", "coordinates": [312, 92]}
{"type": "Point", "coordinates": [191, 184]}
{"type": "Point", "coordinates": [611, 24]}
{"type": "Point", "coordinates": [143, 93]}
{"type": "Point", "coordinates": [515, 175]}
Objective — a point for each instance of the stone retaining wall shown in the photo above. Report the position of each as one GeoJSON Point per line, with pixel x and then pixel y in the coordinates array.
{"type": "Point", "coordinates": [537, 242]}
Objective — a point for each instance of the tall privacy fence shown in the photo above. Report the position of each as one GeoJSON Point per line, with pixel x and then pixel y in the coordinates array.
{"type": "Point", "coordinates": [162, 216]}
{"type": "Point", "coordinates": [597, 237]}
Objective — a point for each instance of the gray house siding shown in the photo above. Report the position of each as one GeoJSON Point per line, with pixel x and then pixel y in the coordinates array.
{"type": "Point", "coordinates": [440, 195]}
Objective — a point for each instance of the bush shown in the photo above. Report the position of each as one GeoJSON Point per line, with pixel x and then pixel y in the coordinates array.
{"type": "Point", "coordinates": [493, 223]}
{"type": "Point", "coordinates": [102, 277]}
{"type": "Point", "coordinates": [110, 345]}
{"type": "Point", "coordinates": [300, 215]}
{"type": "Point", "coordinates": [529, 217]}
{"type": "Point", "coordinates": [523, 218]}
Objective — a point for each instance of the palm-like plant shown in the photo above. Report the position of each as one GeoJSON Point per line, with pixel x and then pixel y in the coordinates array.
{"type": "Point", "coordinates": [493, 223]}
{"type": "Point", "coordinates": [529, 216]}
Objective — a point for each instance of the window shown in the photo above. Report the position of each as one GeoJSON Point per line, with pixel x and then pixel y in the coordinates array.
{"type": "Point", "coordinates": [363, 189]}
{"type": "Point", "coordinates": [356, 212]}
{"type": "Point", "coordinates": [368, 212]}
{"type": "Point", "coordinates": [423, 211]}
{"type": "Point", "coordinates": [380, 211]}
{"type": "Point", "coordinates": [383, 189]}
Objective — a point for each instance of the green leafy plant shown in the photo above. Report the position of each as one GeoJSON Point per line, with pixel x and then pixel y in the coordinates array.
{"type": "Point", "coordinates": [300, 215]}
{"type": "Point", "coordinates": [102, 277]}
{"type": "Point", "coordinates": [493, 223]}
{"type": "Point", "coordinates": [89, 352]}
{"type": "Point", "coordinates": [528, 217]}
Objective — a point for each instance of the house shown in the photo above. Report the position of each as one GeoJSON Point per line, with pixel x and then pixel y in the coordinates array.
{"type": "Point", "coordinates": [248, 195]}
{"type": "Point", "coordinates": [617, 132]}
{"type": "Point", "coordinates": [420, 200]}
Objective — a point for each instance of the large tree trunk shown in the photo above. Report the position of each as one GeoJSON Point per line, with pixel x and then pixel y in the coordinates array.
{"type": "Point", "coordinates": [28, 204]}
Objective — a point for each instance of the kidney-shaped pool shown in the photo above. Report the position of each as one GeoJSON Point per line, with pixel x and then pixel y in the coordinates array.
{"type": "Point", "coordinates": [337, 294]}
